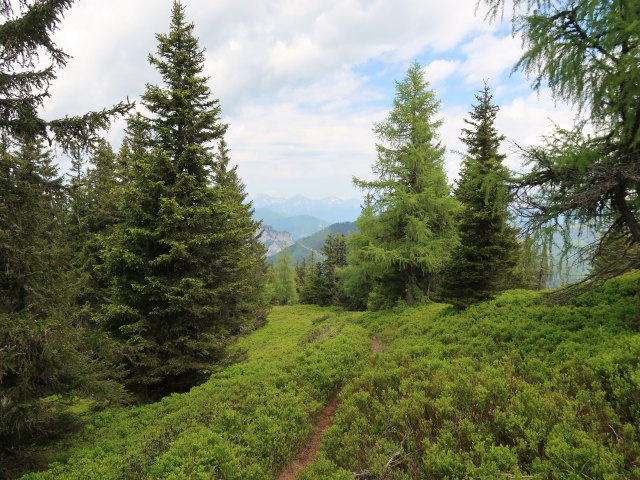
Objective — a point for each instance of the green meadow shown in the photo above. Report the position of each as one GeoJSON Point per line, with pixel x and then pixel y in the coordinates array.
{"type": "Point", "coordinates": [516, 387]}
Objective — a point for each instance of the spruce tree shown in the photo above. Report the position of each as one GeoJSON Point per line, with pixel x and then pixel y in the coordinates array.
{"type": "Point", "coordinates": [183, 264]}
{"type": "Point", "coordinates": [325, 282]}
{"type": "Point", "coordinates": [25, 35]}
{"type": "Point", "coordinates": [482, 263]}
{"type": "Point", "coordinates": [306, 277]}
{"type": "Point", "coordinates": [92, 213]}
{"type": "Point", "coordinates": [407, 230]}
{"type": "Point", "coordinates": [43, 352]}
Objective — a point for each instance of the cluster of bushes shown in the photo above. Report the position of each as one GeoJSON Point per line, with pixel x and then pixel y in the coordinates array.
{"type": "Point", "coordinates": [244, 423]}
{"type": "Point", "coordinates": [512, 388]}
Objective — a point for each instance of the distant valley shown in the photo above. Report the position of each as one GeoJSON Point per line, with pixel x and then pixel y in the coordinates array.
{"type": "Point", "coordinates": [313, 243]}
{"type": "Point", "coordinates": [302, 224]}
{"type": "Point", "coordinates": [330, 209]}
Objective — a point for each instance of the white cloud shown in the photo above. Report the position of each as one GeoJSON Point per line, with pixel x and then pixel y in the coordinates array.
{"type": "Point", "coordinates": [439, 70]}
{"type": "Point", "coordinates": [290, 75]}
{"type": "Point", "coordinates": [488, 56]}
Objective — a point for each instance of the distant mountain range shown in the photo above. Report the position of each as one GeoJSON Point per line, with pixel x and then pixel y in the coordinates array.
{"type": "Point", "coordinates": [330, 209]}
{"type": "Point", "coordinates": [299, 226]}
{"type": "Point", "coordinates": [313, 243]}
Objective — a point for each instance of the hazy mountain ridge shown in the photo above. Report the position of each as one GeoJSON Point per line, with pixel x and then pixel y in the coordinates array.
{"type": "Point", "coordinates": [331, 209]}
{"type": "Point", "coordinates": [313, 243]}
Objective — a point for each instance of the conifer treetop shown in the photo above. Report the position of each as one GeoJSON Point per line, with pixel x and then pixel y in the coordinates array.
{"type": "Point", "coordinates": [184, 112]}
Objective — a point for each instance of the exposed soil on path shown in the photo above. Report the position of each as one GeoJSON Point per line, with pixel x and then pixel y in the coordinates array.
{"type": "Point", "coordinates": [308, 453]}
{"type": "Point", "coordinates": [375, 346]}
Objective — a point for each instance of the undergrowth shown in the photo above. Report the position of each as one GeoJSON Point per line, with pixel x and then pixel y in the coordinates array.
{"type": "Point", "coordinates": [511, 388]}
{"type": "Point", "coordinates": [244, 423]}
{"type": "Point", "coordinates": [514, 388]}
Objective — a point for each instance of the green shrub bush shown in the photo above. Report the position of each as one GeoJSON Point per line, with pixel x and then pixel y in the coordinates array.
{"type": "Point", "coordinates": [512, 388]}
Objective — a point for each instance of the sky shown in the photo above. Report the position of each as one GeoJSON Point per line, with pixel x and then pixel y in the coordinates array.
{"type": "Point", "coordinates": [302, 83]}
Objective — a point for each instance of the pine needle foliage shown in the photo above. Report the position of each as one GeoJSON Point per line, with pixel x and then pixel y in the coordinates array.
{"type": "Point", "coordinates": [482, 263]}
{"type": "Point", "coordinates": [186, 247]}
{"type": "Point", "coordinates": [25, 37]}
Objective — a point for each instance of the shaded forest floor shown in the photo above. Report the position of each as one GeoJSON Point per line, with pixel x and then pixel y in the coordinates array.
{"type": "Point", "coordinates": [512, 388]}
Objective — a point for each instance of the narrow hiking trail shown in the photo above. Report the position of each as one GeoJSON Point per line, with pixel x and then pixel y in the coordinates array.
{"type": "Point", "coordinates": [376, 347]}
{"type": "Point", "coordinates": [308, 453]}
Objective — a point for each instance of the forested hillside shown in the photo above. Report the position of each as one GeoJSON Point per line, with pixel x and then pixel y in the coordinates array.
{"type": "Point", "coordinates": [145, 334]}
{"type": "Point", "coordinates": [313, 244]}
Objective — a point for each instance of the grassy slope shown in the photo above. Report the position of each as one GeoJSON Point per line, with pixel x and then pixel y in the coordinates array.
{"type": "Point", "coordinates": [244, 423]}
{"type": "Point", "coordinates": [508, 389]}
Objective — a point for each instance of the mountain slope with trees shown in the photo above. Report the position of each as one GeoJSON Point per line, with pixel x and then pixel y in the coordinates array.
{"type": "Point", "coordinates": [136, 337]}
{"type": "Point", "coordinates": [304, 247]}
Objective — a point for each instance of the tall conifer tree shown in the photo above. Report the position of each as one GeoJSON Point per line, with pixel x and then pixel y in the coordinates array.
{"type": "Point", "coordinates": [407, 230]}
{"type": "Point", "coordinates": [186, 246]}
{"type": "Point", "coordinates": [483, 262]}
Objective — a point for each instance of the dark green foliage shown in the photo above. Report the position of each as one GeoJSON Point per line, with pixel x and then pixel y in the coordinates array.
{"type": "Point", "coordinates": [23, 88]}
{"type": "Point", "coordinates": [184, 265]}
{"type": "Point", "coordinates": [31, 200]}
{"type": "Point", "coordinates": [285, 282]}
{"type": "Point", "coordinates": [306, 275]}
{"type": "Point", "coordinates": [32, 362]}
{"type": "Point", "coordinates": [92, 213]}
{"type": "Point", "coordinates": [318, 280]}
{"type": "Point", "coordinates": [45, 358]}
{"type": "Point", "coordinates": [335, 258]}
{"type": "Point", "coordinates": [588, 52]}
{"type": "Point", "coordinates": [482, 263]}
{"type": "Point", "coordinates": [407, 231]}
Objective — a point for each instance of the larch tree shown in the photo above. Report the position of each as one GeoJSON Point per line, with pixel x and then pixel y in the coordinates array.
{"type": "Point", "coordinates": [588, 54]}
{"type": "Point", "coordinates": [482, 263]}
{"type": "Point", "coordinates": [408, 228]}
{"type": "Point", "coordinates": [183, 264]}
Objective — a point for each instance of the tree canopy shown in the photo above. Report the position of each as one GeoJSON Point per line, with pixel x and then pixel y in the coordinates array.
{"type": "Point", "coordinates": [408, 228]}
{"type": "Point", "coordinates": [588, 53]}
